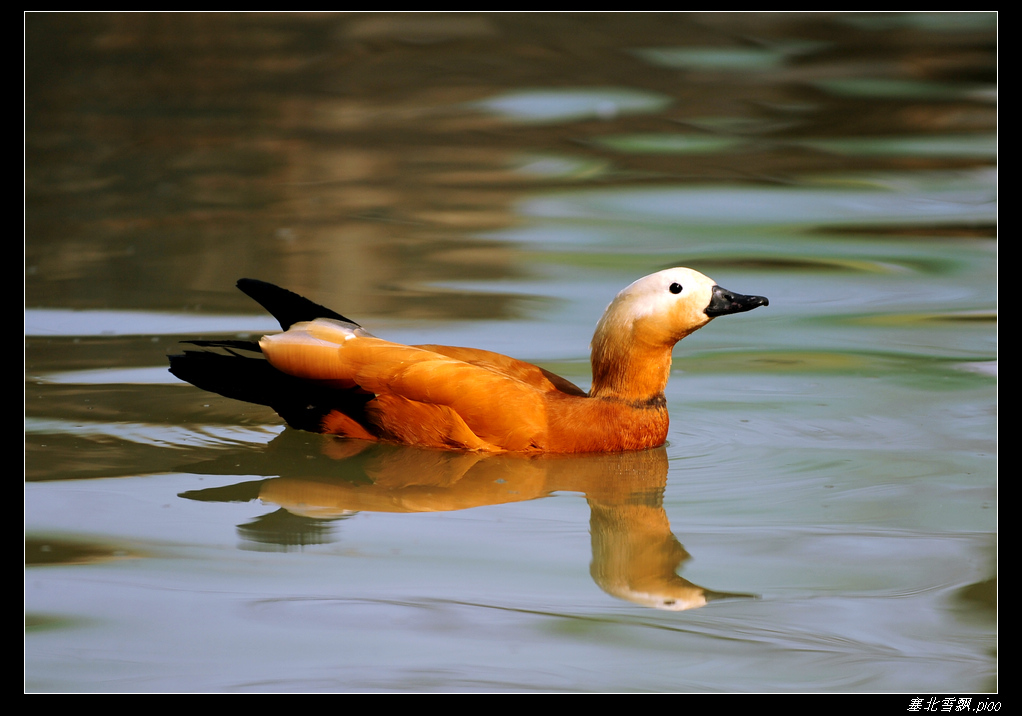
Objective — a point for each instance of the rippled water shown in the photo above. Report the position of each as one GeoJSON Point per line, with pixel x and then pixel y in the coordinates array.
{"type": "Point", "coordinates": [824, 515]}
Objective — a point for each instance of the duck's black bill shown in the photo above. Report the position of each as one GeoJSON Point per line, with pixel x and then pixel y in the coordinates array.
{"type": "Point", "coordinates": [724, 302]}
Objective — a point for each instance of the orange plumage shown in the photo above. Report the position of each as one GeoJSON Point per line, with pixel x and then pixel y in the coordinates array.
{"type": "Point", "coordinates": [326, 374]}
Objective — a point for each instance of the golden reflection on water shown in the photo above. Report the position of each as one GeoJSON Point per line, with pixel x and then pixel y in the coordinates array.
{"type": "Point", "coordinates": [635, 554]}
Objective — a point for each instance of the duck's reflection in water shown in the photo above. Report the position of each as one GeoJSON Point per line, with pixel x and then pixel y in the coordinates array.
{"type": "Point", "coordinates": [322, 479]}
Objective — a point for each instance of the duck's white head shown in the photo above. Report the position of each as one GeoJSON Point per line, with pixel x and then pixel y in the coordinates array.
{"type": "Point", "coordinates": [666, 306]}
{"type": "Point", "coordinates": [646, 319]}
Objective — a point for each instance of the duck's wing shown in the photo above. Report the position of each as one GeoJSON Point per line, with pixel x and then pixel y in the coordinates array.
{"type": "Point", "coordinates": [526, 372]}
{"type": "Point", "coordinates": [417, 390]}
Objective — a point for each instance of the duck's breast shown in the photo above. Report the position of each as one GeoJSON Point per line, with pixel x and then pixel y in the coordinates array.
{"type": "Point", "coordinates": [579, 425]}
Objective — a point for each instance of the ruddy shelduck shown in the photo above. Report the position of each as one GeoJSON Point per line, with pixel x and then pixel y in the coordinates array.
{"type": "Point", "coordinates": [326, 374]}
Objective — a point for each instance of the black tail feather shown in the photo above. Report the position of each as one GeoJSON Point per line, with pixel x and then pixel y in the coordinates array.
{"type": "Point", "coordinates": [230, 346]}
{"type": "Point", "coordinates": [286, 306]}
{"type": "Point", "coordinates": [236, 369]}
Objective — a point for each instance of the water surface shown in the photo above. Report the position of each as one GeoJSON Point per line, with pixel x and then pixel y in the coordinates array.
{"type": "Point", "coordinates": [824, 516]}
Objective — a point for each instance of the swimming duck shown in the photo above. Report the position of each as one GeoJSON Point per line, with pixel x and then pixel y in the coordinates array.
{"type": "Point", "coordinates": [326, 374]}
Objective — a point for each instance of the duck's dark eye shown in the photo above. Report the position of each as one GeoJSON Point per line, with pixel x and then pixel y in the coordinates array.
{"type": "Point", "coordinates": [676, 288]}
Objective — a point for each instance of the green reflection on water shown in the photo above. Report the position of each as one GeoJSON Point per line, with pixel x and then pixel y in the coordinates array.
{"type": "Point", "coordinates": [567, 105]}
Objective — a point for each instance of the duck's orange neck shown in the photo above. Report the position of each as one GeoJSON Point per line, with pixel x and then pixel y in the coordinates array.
{"type": "Point", "coordinates": [635, 374]}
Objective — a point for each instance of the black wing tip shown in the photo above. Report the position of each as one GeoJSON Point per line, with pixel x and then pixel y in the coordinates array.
{"type": "Point", "coordinates": [286, 306]}
{"type": "Point", "coordinates": [254, 285]}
